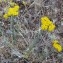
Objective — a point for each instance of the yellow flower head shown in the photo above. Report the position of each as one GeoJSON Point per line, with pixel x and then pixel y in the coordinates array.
{"type": "Point", "coordinates": [57, 45]}
{"type": "Point", "coordinates": [12, 11]}
{"type": "Point", "coordinates": [45, 22]}
{"type": "Point", "coordinates": [16, 8]}
{"type": "Point", "coordinates": [51, 27]}
{"type": "Point", "coordinates": [44, 27]}
{"type": "Point", "coordinates": [15, 13]}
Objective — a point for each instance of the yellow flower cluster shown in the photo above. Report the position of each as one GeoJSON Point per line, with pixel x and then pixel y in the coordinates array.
{"type": "Point", "coordinates": [57, 45]}
{"type": "Point", "coordinates": [46, 24]}
{"type": "Point", "coordinates": [12, 11]}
